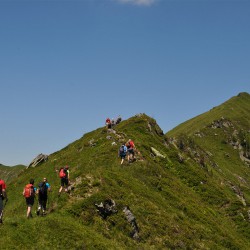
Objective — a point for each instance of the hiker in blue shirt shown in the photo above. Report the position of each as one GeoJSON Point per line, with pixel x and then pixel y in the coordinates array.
{"type": "Point", "coordinates": [42, 192]}
{"type": "Point", "coordinates": [122, 153]}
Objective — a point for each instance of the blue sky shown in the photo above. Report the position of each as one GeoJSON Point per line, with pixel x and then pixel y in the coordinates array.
{"type": "Point", "coordinates": [67, 65]}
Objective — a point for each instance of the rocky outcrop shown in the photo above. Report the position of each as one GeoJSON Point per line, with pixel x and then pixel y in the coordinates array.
{"type": "Point", "coordinates": [157, 153]}
{"type": "Point", "coordinates": [222, 123]}
{"type": "Point", "coordinates": [39, 159]}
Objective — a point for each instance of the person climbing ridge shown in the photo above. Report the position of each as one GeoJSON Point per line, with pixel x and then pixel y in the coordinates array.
{"type": "Point", "coordinates": [118, 120]}
{"type": "Point", "coordinates": [42, 192]}
{"type": "Point", "coordinates": [108, 123]}
{"type": "Point", "coordinates": [122, 153]}
{"type": "Point", "coordinates": [64, 175]}
{"type": "Point", "coordinates": [29, 194]}
{"type": "Point", "coordinates": [3, 196]}
{"type": "Point", "coordinates": [131, 150]}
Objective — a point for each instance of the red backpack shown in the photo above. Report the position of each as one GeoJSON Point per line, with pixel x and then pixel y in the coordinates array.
{"type": "Point", "coordinates": [62, 173]}
{"type": "Point", "coordinates": [2, 186]}
{"type": "Point", "coordinates": [131, 143]}
{"type": "Point", "coordinates": [28, 191]}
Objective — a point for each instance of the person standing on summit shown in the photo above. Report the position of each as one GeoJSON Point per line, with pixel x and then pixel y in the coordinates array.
{"type": "Point", "coordinates": [3, 196]}
{"type": "Point", "coordinates": [108, 123]}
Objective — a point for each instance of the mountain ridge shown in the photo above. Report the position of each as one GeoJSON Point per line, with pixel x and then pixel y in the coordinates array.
{"type": "Point", "coordinates": [192, 198]}
{"type": "Point", "coordinates": [242, 99]}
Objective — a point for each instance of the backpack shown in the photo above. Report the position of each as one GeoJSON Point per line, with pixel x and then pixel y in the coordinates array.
{"type": "Point", "coordinates": [62, 173]}
{"type": "Point", "coordinates": [122, 149]}
{"type": "Point", "coordinates": [131, 144]}
{"type": "Point", "coordinates": [28, 191]}
{"type": "Point", "coordinates": [2, 186]}
{"type": "Point", "coordinates": [42, 189]}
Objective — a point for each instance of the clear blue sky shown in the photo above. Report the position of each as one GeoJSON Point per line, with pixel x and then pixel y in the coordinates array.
{"type": "Point", "coordinates": [67, 65]}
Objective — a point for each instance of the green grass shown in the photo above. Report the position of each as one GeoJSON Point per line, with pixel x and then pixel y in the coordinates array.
{"type": "Point", "coordinates": [8, 173]}
{"type": "Point", "coordinates": [177, 204]}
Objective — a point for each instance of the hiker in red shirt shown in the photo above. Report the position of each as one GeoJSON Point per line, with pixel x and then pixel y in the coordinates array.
{"type": "Point", "coordinates": [3, 196]}
{"type": "Point", "coordinates": [108, 123]}
{"type": "Point", "coordinates": [131, 147]}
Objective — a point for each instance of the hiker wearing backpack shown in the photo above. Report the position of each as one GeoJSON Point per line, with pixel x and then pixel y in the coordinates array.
{"type": "Point", "coordinates": [64, 175]}
{"type": "Point", "coordinates": [42, 192]}
{"type": "Point", "coordinates": [112, 122]}
{"type": "Point", "coordinates": [108, 123]}
{"type": "Point", "coordinates": [131, 147]}
{"type": "Point", "coordinates": [122, 153]}
{"type": "Point", "coordinates": [3, 196]}
{"type": "Point", "coordinates": [118, 120]}
{"type": "Point", "coordinates": [29, 194]}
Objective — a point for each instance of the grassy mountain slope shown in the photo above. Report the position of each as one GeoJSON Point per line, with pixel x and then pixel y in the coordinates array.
{"type": "Point", "coordinates": [223, 134]}
{"type": "Point", "coordinates": [220, 141]}
{"type": "Point", "coordinates": [237, 108]}
{"type": "Point", "coordinates": [182, 201]}
{"type": "Point", "coordinates": [9, 173]}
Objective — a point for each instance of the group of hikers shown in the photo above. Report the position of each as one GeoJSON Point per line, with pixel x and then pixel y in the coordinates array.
{"type": "Point", "coordinates": [41, 191]}
{"type": "Point", "coordinates": [105, 209]}
{"type": "Point", "coordinates": [112, 122]}
{"type": "Point", "coordinates": [127, 149]}
{"type": "Point", "coordinates": [30, 192]}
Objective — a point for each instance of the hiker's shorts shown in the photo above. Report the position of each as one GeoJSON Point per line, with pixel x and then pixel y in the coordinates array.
{"type": "Point", "coordinates": [64, 182]}
{"type": "Point", "coordinates": [122, 156]}
{"type": "Point", "coordinates": [30, 201]}
{"type": "Point", "coordinates": [131, 151]}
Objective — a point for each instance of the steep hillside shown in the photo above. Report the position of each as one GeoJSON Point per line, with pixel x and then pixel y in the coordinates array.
{"type": "Point", "coordinates": [220, 141]}
{"type": "Point", "coordinates": [236, 109]}
{"type": "Point", "coordinates": [179, 201]}
{"type": "Point", "coordinates": [222, 135]}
